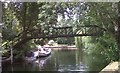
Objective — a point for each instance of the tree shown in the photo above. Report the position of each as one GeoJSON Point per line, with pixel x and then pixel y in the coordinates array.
{"type": "Point", "coordinates": [103, 47]}
{"type": "Point", "coordinates": [31, 19]}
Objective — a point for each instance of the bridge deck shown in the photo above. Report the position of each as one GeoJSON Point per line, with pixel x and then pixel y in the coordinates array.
{"type": "Point", "coordinates": [55, 32]}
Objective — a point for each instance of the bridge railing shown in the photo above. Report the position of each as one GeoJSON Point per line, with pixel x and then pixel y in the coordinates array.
{"type": "Point", "coordinates": [62, 30]}
{"type": "Point", "coordinates": [55, 32]}
{"type": "Point", "coordinates": [91, 30]}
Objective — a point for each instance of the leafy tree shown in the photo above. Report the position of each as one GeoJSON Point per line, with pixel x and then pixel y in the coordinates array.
{"type": "Point", "coordinates": [103, 47]}
{"type": "Point", "coordinates": [31, 19]}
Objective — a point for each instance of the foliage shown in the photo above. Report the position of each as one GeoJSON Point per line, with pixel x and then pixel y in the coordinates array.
{"type": "Point", "coordinates": [103, 15]}
{"type": "Point", "coordinates": [70, 14]}
{"type": "Point", "coordinates": [25, 49]}
{"type": "Point", "coordinates": [79, 42]}
{"type": "Point", "coordinates": [104, 47]}
{"type": "Point", "coordinates": [102, 51]}
{"type": "Point", "coordinates": [68, 40]}
{"type": "Point", "coordinates": [24, 20]}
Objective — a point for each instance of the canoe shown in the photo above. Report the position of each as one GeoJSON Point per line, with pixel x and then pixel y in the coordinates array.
{"type": "Point", "coordinates": [42, 52]}
{"type": "Point", "coordinates": [38, 54]}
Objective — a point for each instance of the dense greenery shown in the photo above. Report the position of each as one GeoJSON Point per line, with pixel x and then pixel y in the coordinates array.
{"type": "Point", "coordinates": [23, 20]}
{"type": "Point", "coordinates": [101, 52]}
{"type": "Point", "coordinates": [105, 15]}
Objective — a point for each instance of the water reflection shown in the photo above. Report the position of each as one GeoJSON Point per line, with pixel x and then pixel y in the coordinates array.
{"type": "Point", "coordinates": [42, 62]}
{"type": "Point", "coordinates": [57, 61]}
{"type": "Point", "coordinates": [69, 61]}
{"type": "Point", "coordinates": [76, 67]}
{"type": "Point", "coordinates": [36, 64]}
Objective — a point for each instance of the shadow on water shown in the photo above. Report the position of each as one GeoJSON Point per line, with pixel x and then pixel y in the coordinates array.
{"type": "Point", "coordinates": [61, 61]}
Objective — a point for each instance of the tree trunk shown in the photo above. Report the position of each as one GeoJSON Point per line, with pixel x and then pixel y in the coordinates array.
{"type": "Point", "coordinates": [24, 20]}
{"type": "Point", "coordinates": [22, 42]}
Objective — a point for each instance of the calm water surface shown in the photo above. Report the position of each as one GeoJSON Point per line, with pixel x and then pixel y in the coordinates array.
{"type": "Point", "coordinates": [58, 61]}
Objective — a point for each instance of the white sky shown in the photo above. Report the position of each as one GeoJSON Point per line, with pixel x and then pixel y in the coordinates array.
{"type": "Point", "coordinates": [60, 17]}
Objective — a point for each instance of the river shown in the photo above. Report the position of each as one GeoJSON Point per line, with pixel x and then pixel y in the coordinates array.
{"type": "Point", "coordinates": [62, 60]}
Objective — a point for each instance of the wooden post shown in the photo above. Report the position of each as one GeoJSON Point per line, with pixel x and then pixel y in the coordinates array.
{"type": "Point", "coordinates": [0, 36]}
{"type": "Point", "coordinates": [11, 44]}
{"type": "Point", "coordinates": [11, 48]}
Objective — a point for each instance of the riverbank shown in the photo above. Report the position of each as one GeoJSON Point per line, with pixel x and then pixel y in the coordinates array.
{"type": "Point", "coordinates": [63, 47]}
{"type": "Point", "coordinates": [111, 68]}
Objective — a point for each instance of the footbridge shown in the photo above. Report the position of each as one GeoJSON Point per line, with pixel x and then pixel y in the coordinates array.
{"type": "Point", "coordinates": [56, 32]}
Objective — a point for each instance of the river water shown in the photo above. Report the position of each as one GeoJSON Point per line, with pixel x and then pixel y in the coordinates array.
{"type": "Point", "coordinates": [62, 60]}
